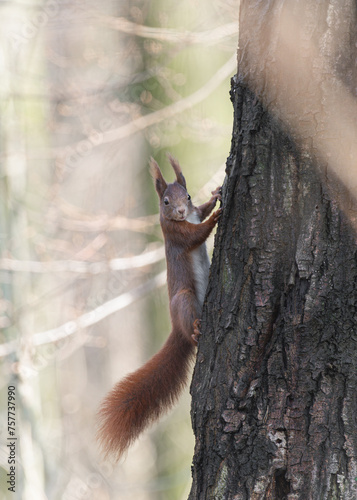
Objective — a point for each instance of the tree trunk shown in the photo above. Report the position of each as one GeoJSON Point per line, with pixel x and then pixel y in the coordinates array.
{"type": "Point", "coordinates": [275, 385]}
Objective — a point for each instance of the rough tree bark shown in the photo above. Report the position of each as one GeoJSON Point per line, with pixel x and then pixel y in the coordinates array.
{"type": "Point", "coordinates": [275, 385]}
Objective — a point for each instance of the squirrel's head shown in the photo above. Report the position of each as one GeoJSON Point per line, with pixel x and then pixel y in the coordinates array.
{"type": "Point", "coordinates": [175, 202]}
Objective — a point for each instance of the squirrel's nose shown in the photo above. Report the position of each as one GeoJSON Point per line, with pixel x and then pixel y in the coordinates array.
{"type": "Point", "coordinates": [181, 211]}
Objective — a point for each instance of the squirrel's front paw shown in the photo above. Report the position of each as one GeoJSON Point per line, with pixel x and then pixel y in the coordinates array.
{"type": "Point", "coordinates": [216, 215]}
{"type": "Point", "coordinates": [217, 194]}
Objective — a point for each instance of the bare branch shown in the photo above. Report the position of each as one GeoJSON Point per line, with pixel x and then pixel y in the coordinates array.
{"type": "Point", "coordinates": [117, 223]}
{"type": "Point", "coordinates": [207, 37]}
{"type": "Point", "coordinates": [90, 318]}
{"type": "Point", "coordinates": [78, 266]}
{"type": "Point", "coordinates": [156, 117]}
{"type": "Point", "coordinates": [177, 107]}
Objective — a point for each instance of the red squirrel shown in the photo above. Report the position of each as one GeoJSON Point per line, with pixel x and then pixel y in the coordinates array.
{"type": "Point", "coordinates": [144, 395]}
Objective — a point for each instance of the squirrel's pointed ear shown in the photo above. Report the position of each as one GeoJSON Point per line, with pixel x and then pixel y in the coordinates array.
{"type": "Point", "coordinates": [179, 175]}
{"type": "Point", "coordinates": [160, 183]}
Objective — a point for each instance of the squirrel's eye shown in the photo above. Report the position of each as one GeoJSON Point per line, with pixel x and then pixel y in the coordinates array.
{"type": "Point", "coordinates": [188, 197]}
{"type": "Point", "coordinates": [166, 201]}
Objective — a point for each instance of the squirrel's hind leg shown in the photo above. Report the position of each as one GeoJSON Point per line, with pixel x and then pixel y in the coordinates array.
{"type": "Point", "coordinates": [196, 330]}
{"type": "Point", "coordinates": [185, 314]}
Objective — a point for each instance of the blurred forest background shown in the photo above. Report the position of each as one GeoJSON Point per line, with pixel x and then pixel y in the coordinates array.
{"type": "Point", "coordinates": [88, 92]}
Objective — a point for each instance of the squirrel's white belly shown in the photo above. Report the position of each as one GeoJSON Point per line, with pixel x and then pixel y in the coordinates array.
{"type": "Point", "coordinates": [200, 263]}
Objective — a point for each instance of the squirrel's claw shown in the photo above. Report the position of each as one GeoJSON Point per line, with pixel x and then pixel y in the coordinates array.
{"type": "Point", "coordinates": [196, 330]}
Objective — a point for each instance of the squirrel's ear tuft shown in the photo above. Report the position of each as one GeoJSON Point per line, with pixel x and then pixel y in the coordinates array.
{"type": "Point", "coordinates": [179, 175]}
{"type": "Point", "coordinates": [160, 183]}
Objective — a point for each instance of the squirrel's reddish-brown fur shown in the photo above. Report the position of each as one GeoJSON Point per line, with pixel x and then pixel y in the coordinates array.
{"type": "Point", "coordinates": [141, 397]}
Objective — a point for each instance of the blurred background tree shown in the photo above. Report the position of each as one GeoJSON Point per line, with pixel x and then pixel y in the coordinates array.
{"type": "Point", "coordinates": [88, 93]}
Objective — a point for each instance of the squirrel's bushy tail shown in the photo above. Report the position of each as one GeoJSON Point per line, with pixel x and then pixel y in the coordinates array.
{"type": "Point", "coordinates": [144, 395]}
